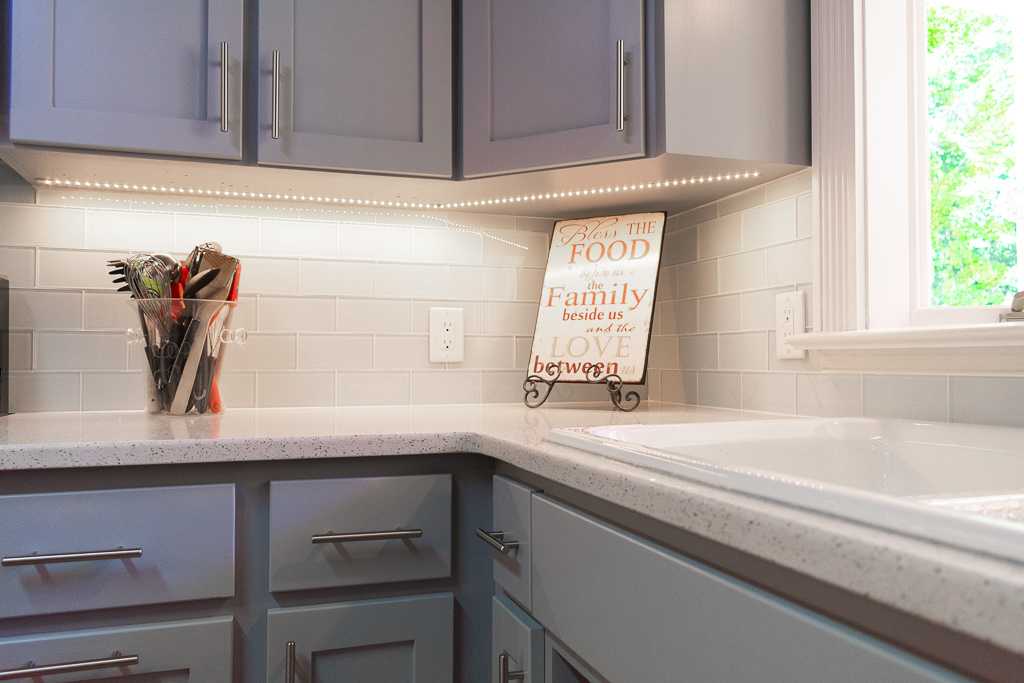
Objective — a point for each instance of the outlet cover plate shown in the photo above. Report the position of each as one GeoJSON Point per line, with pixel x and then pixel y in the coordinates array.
{"type": "Point", "coordinates": [447, 335]}
{"type": "Point", "coordinates": [790, 319]}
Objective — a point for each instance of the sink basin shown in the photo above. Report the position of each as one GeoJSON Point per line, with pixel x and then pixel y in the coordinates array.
{"type": "Point", "coordinates": [961, 485]}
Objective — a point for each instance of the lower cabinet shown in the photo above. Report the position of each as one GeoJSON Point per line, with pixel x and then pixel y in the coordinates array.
{"type": "Point", "coordinates": [393, 640]}
{"type": "Point", "coordinates": [517, 644]}
{"type": "Point", "coordinates": [197, 651]}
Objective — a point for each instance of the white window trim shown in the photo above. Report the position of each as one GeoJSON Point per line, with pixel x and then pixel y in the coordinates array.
{"type": "Point", "coordinates": [868, 185]}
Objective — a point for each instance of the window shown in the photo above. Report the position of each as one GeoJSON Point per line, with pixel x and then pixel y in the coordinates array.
{"type": "Point", "coordinates": [971, 77]}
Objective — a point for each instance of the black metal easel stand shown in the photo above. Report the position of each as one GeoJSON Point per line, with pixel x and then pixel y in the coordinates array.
{"type": "Point", "coordinates": [538, 388]}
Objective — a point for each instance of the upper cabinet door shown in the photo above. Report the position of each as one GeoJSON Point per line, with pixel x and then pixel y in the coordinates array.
{"type": "Point", "coordinates": [133, 75]}
{"type": "Point", "coordinates": [543, 83]}
{"type": "Point", "coordinates": [360, 85]}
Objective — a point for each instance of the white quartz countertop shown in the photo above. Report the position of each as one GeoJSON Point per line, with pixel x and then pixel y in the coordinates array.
{"type": "Point", "coordinates": [967, 592]}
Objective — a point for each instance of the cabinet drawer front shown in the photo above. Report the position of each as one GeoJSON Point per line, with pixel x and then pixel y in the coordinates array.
{"type": "Point", "coordinates": [517, 642]}
{"type": "Point", "coordinates": [512, 520]}
{"type": "Point", "coordinates": [637, 612]}
{"type": "Point", "coordinates": [197, 651]}
{"type": "Point", "coordinates": [301, 510]}
{"type": "Point", "coordinates": [168, 544]}
{"type": "Point", "coordinates": [400, 640]}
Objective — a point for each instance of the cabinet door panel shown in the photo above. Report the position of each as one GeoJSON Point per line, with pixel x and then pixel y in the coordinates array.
{"type": "Point", "coordinates": [399, 640]}
{"type": "Point", "coordinates": [134, 75]}
{"type": "Point", "coordinates": [515, 634]}
{"type": "Point", "coordinates": [197, 651]}
{"type": "Point", "coordinates": [365, 85]}
{"type": "Point", "coordinates": [540, 84]}
{"type": "Point", "coordinates": [511, 516]}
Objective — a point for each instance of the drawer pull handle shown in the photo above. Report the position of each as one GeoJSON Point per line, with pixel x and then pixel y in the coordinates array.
{"type": "Point", "coordinates": [275, 94]}
{"type": "Point", "coordinates": [225, 88]}
{"type": "Point", "coordinates": [497, 540]}
{"type": "Point", "coordinates": [504, 675]}
{"type": "Point", "coordinates": [56, 558]}
{"type": "Point", "coordinates": [33, 671]}
{"type": "Point", "coordinates": [398, 534]}
{"type": "Point", "coordinates": [289, 662]}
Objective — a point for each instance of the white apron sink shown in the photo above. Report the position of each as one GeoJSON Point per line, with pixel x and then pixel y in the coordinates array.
{"type": "Point", "coordinates": [961, 485]}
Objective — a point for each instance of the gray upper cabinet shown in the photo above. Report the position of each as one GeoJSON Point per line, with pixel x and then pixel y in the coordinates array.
{"type": "Point", "coordinates": [360, 85]}
{"type": "Point", "coordinates": [130, 75]}
{"type": "Point", "coordinates": [543, 85]}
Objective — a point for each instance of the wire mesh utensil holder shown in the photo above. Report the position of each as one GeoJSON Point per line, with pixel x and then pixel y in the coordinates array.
{"type": "Point", "coordinates": [537, 388]}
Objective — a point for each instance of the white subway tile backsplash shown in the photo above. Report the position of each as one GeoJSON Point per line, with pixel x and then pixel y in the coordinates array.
{"type": "Point", "coordinates": [719, 389]}
{"type": "Point", "coordinates": [524, 346]}
{"type": "Point", "coordinates": [76, 269]}
{"type": "Point", "coordinates": [829, 395]}
{"type": "Point", "coordinates": [908, 397]}
{"type": "Point", "coordinates": [696, 279]}
{"type": "Point", "coordinates": [110, 311]}
{"type": "Point", "coordinates": [510, 318]}
{"type": "Point", "coordinates": [679, 387]}
{"type": "Point", "coordinates": [790, 263]}
{"type": "Point", "coordinates": [686, 315]}
{"type": "Point", "coordinates": [757, 309]}
{"type": "Point", "coordinates": [32, 309]}
{"type": "Point", "coordinates": [742, 200]}
{"type": "Point", "coordinates": [692, 217]}
{"type": "Point", "coordinates": [987, 400]}
{"type": "Point", "coordinates": [46, 391]}
{"type": "Point", "coordinates": [335, 352]}
{"type": "Point", "coordinates": [527, 224]}
{"type": "Point", "coordinates": [341, 278]}
{"type": "Point", "coordinates": [129, 230]}
{"type": "Point", "coordinates": [502, 387]}
{"type": "Point", "coordinates": [21, 351]}
{"type": "Point", "coordinates": [269, 276]}
{"type": "Point", "coordinates": [295, 389]}
{"type": "Point", "coordinates": [374, 389]}
{"type": "Point", "coordinates": [446, 387]}
{"type": "Point", "coordinates": [80, 350]}
{"type": "Point", "coordinates": [237, 235]}
{"type": "Point", "coordinates": [742, 272]}
{"type": "Point", "coordinates": [113, 391]}
{"type": "Point", "coordinates": [488, 353]}
{"type": "Point", "coordinates": [402, 353]}
{"type": "Point", "coordinates": [238, 389]}
{"type": "Point", "coordinates": [376, 242]}
{"type": "Point", "coordinates": [743, 351]}
{"type": "Point", "coordinates": [787, 186]}
{"type": "Point", "coordinates": [698, 352]}
{"type": "Point", "coordinates": [804, 217]}
{"type": "Point", "coordinates": [720, 313]}
{"type": "Point", "coordinates": [664, 352]}
{"type": "Point", "coordinates": [769, 392]}
{"type": "Point", "coordinates": [499, 284]}
{"type": "Point", "coordinates": [262, 351]}
{"type": "Point", "coordinates": [301, 314]}
{"type": "Point", "coordinates": [680, 247]}
{"type": "Point", "coordinates": [411, 281]}
{"type": "Point", "coordinates": [381, 316]}
{"type": "Point", "coordinates": [508, 248]}
{"type": "Point", "coordinates": [720, 236]}
{"type": "Point", "coordinates": [448, 246]}
{"type": "Point", "coordinates": [483, 221]}
{"type": "Point", "coordinates": [42, 226]}
{"type": "Point", "coordinates": [769, 224]}
{"type": "Point", "coordinates": [283, 237]}
{"type": "Point", "coordinates": [529, 283]}
{"type": "Point", "coordinates": [18, 265]}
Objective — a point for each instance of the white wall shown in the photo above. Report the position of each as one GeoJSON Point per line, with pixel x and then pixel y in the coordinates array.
{"type": "Point", "coordinates": [714, 345]}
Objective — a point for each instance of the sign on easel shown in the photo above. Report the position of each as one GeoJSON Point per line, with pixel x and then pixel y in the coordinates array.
{"type": "Point", "coordinates": [597, 302]}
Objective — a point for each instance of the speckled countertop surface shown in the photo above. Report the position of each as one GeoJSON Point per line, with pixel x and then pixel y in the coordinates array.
{"type": "Point", "coordinates": [967, 592]}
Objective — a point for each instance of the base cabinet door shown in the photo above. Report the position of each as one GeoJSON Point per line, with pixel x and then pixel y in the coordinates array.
{"type": "Point", "coordinates": [360, 85]}
{"type": "Point", "coordinates": [517, 649]}
{"type": "Point", "coordinates": [197, 651]}
{"type": "Point", "coordinates": [134, 75]}
{"type": "Point", "coordinates": [544, 83]}
{"type": "Point", "coordinates": [397, 640]}
{"type": "Point", "coordinates": [509, 538]}
{"type": "Point", "coordinates": [561, 665]}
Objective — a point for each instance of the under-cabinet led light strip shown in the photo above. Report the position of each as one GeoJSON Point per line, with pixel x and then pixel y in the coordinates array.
{"type": "Point", "coordinates": [355, 201]}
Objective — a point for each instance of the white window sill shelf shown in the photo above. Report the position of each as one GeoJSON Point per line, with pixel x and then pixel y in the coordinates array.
{"type": "Point", "coordinates": [995, 347]}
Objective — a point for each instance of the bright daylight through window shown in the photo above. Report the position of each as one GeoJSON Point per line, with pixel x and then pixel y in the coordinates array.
{"type": "Point", "coordinates": [974, 108]}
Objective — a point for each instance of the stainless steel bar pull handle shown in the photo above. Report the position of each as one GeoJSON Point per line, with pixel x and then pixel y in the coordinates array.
{"type": "Point", "coordinates": [497, 540]}
{"type": "Point", "coordinates": [289, 662]}
{"type": "Point", "coordinates": [225, 90]}
{"type": "Point", "coordinates": [31, 670]}
{"type": "Point", "coordinates": [398, 534]}
{"type": "Point", "coordinates": [504, 674]}
{"type": "Point", "coordinates": [86, 556]}
{"type": "Point", "coordinates": [275, 95]}
{"type": "Point", "coordinates": [621, 60]}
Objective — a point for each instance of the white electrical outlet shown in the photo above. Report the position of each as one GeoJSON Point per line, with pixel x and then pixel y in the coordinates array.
{"type": "Point", "coordinates": [790, 319]}
{"type": "Point", "coordinates": [447, 335]}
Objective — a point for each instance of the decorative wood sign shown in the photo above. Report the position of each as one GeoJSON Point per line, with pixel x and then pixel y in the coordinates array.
{"type": "Point", "coordinates": [596, 307]}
